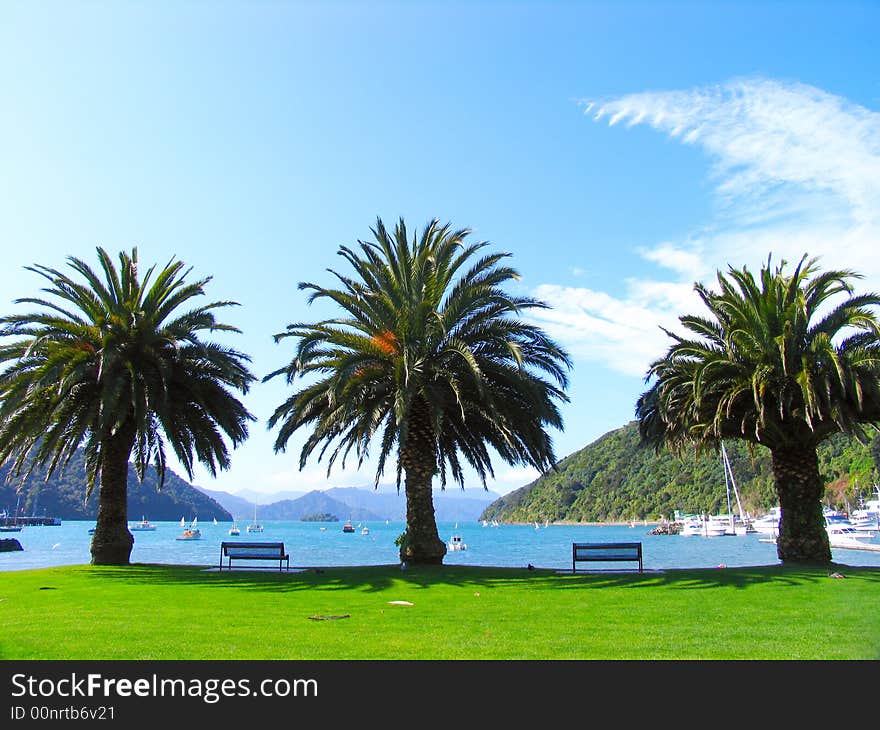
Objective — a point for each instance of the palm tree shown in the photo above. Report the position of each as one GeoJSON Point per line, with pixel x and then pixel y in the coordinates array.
{"type": "Point", "coordinates": [115, 366]}
{"type": "Point", "coordinates": [777, 364]}
{"type": "Point", "coordinates": [432, 359]}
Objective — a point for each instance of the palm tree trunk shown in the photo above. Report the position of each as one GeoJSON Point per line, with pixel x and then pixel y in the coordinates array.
{"type": "Point", "coordinates": [802, 534]}
{"type": "Point", "coordinates": [423, 544]}
{"type": "Point", "coordinates": [112, 542]}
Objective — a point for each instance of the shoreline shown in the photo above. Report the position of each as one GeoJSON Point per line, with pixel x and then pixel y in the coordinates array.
{"type": "Point", "coordinates": [567, 523]}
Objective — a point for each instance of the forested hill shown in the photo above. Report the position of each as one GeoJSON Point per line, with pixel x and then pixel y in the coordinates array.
{"type": "Point", "coordinates": [62, 496]}
{"type": "Point", "coordinates": [617, 479]}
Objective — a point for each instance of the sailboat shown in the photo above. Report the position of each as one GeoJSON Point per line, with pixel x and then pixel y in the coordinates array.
{"type": "Point", "coordinates": [733, 525]}
{"type": "Point", "coordinates": [192, 532]}
{"type": "Point", "coordinates": [234, 529]}
{"type": "Point", "coordinates": [254, 526]}
{"type": "Point", "coordinates": [215, 522]}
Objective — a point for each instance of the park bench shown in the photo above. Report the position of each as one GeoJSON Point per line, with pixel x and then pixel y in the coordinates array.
{"type": "Point", "coordinates": [605, 551]}
{"type": "Point", "coordinates": [253, 551]}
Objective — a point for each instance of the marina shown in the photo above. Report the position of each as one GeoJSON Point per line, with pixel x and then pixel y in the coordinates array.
{"type": "Point", "coordinates": [504, 545]}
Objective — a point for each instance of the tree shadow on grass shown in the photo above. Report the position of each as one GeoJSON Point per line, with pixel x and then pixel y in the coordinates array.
{"type": "Point", "coordinates": [377, 578]}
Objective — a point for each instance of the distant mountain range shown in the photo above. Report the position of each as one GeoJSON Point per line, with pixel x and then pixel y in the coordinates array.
{"type": "Point", "coordinates": [64, 496]}
{"type": "Point", "coordinates": [356, 503]}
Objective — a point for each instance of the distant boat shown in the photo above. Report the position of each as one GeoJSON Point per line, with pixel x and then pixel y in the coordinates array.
{"type": "Point", "coordinates": [234, 530]}
{"type": "Point", "coordinates": [144, 524]}
{"type": "Point", "coordinates": [215, 522]}
{"type": "Point", "coordinates": [192, 532]}
{"type": "Point", "coordinates": [456, 543]}
{"type": "Point", "coordinates": [348, 527]}
{"type": "Point", "coordinates": [739, 524]}
{"type": "Point", "coordinates": [702, 526]}
{"type": "Point", "coordinates": [365, 531]}
{"type": "Point", "coordinates": [254, 526]}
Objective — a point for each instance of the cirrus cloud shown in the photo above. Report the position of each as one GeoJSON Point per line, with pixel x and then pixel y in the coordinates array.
{"type": "Point", "coordinates": [794, 170]}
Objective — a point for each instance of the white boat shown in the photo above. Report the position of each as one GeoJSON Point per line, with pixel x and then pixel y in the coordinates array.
{"type": "Point", "coordinates": [867, 517]}
{"type": "Point", "coordinates": [365, 530]}
{"type": "Point", "coordinates": [144, 524]}
{"type": "Point", "coordinates": [254, 526]}
{"type": "Point", "coordinates": [768, 524]}
{"type": "Point", "coordinates": [841, 534]}
{"type": "Point", "coordinates": [702, 526]}
{"type": "Point", "coordinates": [215, 522]}
{"type": "Point", "coordinates": [456, 543]}
{"type": "Point", "coordinates": [234, 530]}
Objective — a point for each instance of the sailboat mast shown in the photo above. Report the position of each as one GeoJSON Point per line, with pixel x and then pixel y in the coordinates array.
{"type": "Point", "coordinates": [726, 483]}
{"type": "Point", "coordinates": [729, 470]}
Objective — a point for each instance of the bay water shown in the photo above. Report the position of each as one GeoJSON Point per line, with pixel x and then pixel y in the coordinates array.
{"type": "Point", "coordinates": [314, 544]}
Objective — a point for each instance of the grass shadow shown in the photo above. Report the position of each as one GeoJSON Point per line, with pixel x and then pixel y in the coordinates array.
{"type": "Point", "coordinates": [377, 578]}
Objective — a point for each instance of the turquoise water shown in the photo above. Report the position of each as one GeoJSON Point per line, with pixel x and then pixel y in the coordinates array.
{"type": "Point", "coordinates": [311, 546]}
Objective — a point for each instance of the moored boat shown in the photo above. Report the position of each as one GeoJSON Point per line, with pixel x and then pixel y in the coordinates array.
{"type": "Point", "coordinates": [841, 534]}
{"type": "Point", "coordinates": [192, 532]}
{"type": "Point", "coordinates": [701, 526]}
{"type": "Point", "coordinates": [456, 543]}
{"type": "Point", "coordinates": [254, 526]}
{"type": "Point", "coordinates": [768, 524]}
{"type": "Point", "coordinates": [867, 517]}
{"type": "Point", "coordinates": [144, 524]}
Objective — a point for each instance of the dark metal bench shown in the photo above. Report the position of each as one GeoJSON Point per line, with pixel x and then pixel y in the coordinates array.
{"type": "Point", "coordinates": [253, 551]}
{"type": "Point", "coordinates": [605, 551]}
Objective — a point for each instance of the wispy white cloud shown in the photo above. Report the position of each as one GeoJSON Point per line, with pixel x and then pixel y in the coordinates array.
{"type": "Point", "coordinates": [794, 170]}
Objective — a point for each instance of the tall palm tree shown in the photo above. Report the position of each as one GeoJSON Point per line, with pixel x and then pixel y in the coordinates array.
{"type": "Point", "coordinates": [114, 365]}
{"type": "Point", "coordinates": [777, 364]}
{"type": "Point", "coordinates": [432, 359]}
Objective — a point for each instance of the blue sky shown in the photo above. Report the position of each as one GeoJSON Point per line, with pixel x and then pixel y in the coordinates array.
{"type": "Point", "coordinates": [619, 151]}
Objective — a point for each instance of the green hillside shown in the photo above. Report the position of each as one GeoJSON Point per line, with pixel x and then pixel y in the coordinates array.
{"type": "Point", "coordinates": [617, 479]}
{"type": "Point", "coordinates": [63, 496]}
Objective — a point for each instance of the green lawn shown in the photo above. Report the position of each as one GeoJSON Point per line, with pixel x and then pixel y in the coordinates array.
{"type": "Point", "coordinates": [182, 612]}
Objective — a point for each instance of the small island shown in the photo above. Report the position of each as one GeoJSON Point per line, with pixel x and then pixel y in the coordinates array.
{"type": "Point", "coordinates": [319, 517]}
